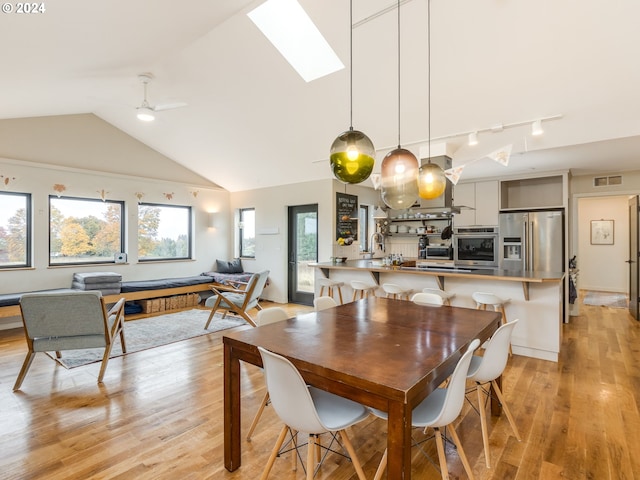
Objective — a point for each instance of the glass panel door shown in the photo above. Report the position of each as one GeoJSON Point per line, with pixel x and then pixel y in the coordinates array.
{"type": "Point", "coordinates": [302, 250]}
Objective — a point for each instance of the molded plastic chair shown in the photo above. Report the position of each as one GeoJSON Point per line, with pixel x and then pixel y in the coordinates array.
{"type": "Point", "coordinates": [396, 291]}
{"type": "Point", "coordinates": [365, 289]}
{"type": "Point", "coordinates": [307, 409]}
{"type": "Point", "coordinates": [446, 296]}
{"type": "Point", "coordinates": [439, 410]}
{"type": "Point", "coordinates": [330, 285]}
{"type": "Point", "coordinates": [487, 369]}
{"type": "Point", "coordinates": [422, 298]}
{"type": "Point", "coordinates": [322, 303]}
{"type": "Point", "coordinates": [69, 321]}
{"type": "Point", "coordinates": [483, 299]}
{"type": "Point", "coordinates": [236, 300]}
{"type": "Point", "coordinates": [265, 317]}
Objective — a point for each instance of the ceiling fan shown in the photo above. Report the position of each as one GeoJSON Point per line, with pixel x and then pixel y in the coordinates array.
{"type": "Point", "coordinates": [145, 111]}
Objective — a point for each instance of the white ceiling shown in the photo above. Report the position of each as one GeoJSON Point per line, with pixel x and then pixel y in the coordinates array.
{"type": "Point", "coordinates": [252, 122]}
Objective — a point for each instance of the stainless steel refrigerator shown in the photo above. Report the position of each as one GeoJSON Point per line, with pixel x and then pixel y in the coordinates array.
{"type": "Point", "coordinates": [532, 241]}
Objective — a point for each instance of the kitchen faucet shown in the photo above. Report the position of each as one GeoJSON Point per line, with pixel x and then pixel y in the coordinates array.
{"type": "Point", "coordinates": [377, 238]}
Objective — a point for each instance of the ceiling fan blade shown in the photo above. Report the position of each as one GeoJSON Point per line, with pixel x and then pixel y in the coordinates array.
{"type": "Point", "coordinates": [169, 106]}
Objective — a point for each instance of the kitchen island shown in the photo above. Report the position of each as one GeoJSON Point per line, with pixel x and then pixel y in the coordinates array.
{"type": "Point", "coordinates": [536, 298]}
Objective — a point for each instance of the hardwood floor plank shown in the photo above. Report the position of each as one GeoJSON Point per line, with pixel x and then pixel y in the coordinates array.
{"type": "Point", "coordinates": [159, 414]}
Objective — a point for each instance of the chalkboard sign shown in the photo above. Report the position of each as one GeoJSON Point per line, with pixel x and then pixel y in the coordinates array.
{"type": "Point", "coordinates": [346, 227]}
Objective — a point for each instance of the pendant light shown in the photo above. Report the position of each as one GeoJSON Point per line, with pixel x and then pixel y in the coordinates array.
{"type": "Point", "coordinates": [432, 181]}
{"type": "Point", "coordinates": [352, 153]}
{"type": "Point", "coordinates": [399, 169]}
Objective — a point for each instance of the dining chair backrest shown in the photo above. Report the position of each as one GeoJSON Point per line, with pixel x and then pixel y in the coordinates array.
{"type": "Point", "coordinates": [455, 390]}
{"type": "Point", "coordinates": [322, 303]}
{"type": "Point", "coordinates": [271, 315]}
{"type": "Point", "coordinates": [289, 394]}
{"type": "Point", "coordinates": [255, 287]}
{"type": "Point", "coordinates": [422, 298]}
{"type": "Point", "coordinates": [496, 354]}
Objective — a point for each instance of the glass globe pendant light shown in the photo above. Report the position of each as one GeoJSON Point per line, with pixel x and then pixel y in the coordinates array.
{"type": "Point", "coordinates": [399, 169]}
{"type": "Point", "coordinates": [352, 153]}
{"type": "Point", "coordinates": [432, 181]}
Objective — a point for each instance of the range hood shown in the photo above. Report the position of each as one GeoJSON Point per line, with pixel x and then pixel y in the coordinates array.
{"type": "Point", "coordinates": [441, 207]}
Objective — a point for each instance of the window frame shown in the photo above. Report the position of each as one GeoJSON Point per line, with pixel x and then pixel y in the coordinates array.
{"type": "Point", "coordinates": [363, 226]}
{"type": "Point", "coordinates": [241, 212]}
{"type": "Point", "coordinates": [190, 233]}
{"type": "Point", "coordinates": [121, 203]}
{"type": "Point", "coordinates": [28, 263]}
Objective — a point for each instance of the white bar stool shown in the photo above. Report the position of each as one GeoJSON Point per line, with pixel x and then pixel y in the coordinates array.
{"type": "Point", "coordinates": [446, 296]}
{"type": "Point", "coordinates": [483, 299]}
{"type": "Point", "coordinates": [396, 291]}
{"type": "Point", "coordinates": [365, 289]}
{"type": "Point", "coordinates": [330, 285]}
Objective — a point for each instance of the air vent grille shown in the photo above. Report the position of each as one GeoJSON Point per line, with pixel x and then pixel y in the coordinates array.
{"type": "Point", "coordinates": [606, 181]}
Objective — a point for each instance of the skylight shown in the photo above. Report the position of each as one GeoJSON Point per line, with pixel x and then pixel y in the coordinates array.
{"type": "Point", "coordinates": [293, 33]}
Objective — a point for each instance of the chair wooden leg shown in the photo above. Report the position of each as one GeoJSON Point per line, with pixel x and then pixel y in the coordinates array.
{"type": "Point", "coordinates": [274, 453]}
{"type": "Point", "coordinates": [23, 371]}
{"type": "Point", "coordinates": [461, 454]}
{"type": "Point", "coordinates": [213, 311]}
{"type": "Point", "coordinates": [355, 294]}
{"type": "Point", "coordinates": [123, 343]}
{"type": "Point", "coordinates": [340, 295]}
{"type": "Point", "coordinates": [352, 454]}
{"type": "Point", "coordinates": [254, 423]}
{"type": "Point", "coordinates": [249, 320]}
{"type": "Point", "coordinates": [483, 424]}
{"type": "Point", "coordinates": [441, 455]}
{"type": "Point", "coordinates": [105, 362]}
{"type": "Point", "coordinates": [512, 422]}
{"type": "Point", "coordinates": [311, 453]}
{"type": "Point", "coordinates": [321, 290]}
{"type": "Point", "coordinates": [382, 467]}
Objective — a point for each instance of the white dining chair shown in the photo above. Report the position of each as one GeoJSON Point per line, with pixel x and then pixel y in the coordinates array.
{"type": "Point", "coordinates": [422, 298]}
{"type": "Point", "coordinates": [303, 408]}
{"type": "Point", "coordinates": [322, 303]}
{"type": "Point", "coordinates": [438, 411]}
{"type": "Point", "coordinates": [396, 291]}
{"type": "Point", "coordinates": [485, 370]}
{"type": "Point", "coordinates": [446, 296]}
{"type": "Point", "coordinates": [265, 317]}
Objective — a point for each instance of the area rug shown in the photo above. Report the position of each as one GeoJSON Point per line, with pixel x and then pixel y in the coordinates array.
{"type": "Point", "coordinates": [606, 299]}
{"type": "Point", "coordinates": [153, 332]}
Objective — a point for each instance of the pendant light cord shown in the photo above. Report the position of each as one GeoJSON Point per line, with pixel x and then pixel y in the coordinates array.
{"type": "Point", "coordinates": [398, 73]}
{"type": "Point", "coordinates": [350, 64]}
{"type": "Point", "coordinates": [429, 75]}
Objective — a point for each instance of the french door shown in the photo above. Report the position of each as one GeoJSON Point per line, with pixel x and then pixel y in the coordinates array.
{"type": "Point", "coordinates": [633, 256]}
{"type": "Point", "coordinates": [302, 250]}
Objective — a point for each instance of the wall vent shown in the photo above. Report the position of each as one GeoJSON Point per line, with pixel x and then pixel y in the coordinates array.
{"type": "Point", "coordinates": [605, 181]}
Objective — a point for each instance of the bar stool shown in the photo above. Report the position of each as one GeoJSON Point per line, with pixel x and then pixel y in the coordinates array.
{"type": "Point", "coordinates": [330, 285]}
{"type": "Point", "coordinates": [483, 299]}
{"type": "Point", "coordinates": [396, 291]}
{"type": "Point", "coordinates": [446, 296]}
{"type": "Point", "coordinates": [365, 289]}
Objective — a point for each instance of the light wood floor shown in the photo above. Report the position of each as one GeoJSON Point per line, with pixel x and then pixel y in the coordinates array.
{"type": "Point", "coordinates": [158, 415]}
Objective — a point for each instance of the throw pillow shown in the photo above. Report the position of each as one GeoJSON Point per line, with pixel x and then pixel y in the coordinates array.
{"type": "Point", "coordinates": [234, 266]}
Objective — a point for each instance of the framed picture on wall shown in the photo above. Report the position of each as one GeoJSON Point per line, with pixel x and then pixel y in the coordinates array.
{"type": "Point", "coordinates": [601, 232]}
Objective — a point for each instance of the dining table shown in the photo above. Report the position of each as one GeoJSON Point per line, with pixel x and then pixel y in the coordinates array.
{"type": "Point", "coordinates": [384, 353]}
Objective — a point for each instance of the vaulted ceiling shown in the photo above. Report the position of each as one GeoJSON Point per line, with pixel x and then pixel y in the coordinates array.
{"type": "Point", "coordinates": [252, 122]}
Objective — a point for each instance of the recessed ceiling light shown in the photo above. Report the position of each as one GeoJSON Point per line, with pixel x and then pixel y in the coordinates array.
{"type": "Point", "coordinates": [293, 33]}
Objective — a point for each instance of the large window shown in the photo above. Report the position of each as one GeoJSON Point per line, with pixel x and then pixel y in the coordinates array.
{"type": "Point", "coordinates": [85, 230]}
{"type": "Point", "coordinates": [164, 232]}
{"type": "Point", "coordinates": [15, 230]}
{"type": "Point", "coordinates": [247, 232]}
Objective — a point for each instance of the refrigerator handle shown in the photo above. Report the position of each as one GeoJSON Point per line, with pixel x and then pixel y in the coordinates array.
{"type": "Point", "coordinates": [531, 248]}
{"type": "Point", "coordinates": [525, 243]}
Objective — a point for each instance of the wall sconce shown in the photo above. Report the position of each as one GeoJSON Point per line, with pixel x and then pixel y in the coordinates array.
{"type": "Point", "coordinates": [212, 220]}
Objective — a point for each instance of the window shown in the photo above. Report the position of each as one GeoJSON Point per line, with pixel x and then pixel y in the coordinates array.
{"type": "Point", "coordinates": [15, 230]}
{"type": "Point", "coordinates": [164, 232]}
{"type": "Point", "coordinates": [85, 230]}
{"type": "Point", "coordinates": [363, 227]}
{"type": "Point", "coordinates": [247, 232]}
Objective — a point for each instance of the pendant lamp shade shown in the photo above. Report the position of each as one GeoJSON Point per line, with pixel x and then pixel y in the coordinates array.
{"type": "Point", "coordinates": [399, 172]}
{"type": "Point", "coordinates": [431, 181]}
{"type": "Point", "coordinates": [352, 156]}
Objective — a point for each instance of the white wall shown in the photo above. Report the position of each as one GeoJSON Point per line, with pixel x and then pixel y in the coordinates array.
{"type": "Point", "coordinates": [603, 267]}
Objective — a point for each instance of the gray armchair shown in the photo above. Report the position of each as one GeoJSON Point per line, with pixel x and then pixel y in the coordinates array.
{"type": "Point", "coordinates": [237, 300]}
{"type": "Point", "coordinates": [69, 321]}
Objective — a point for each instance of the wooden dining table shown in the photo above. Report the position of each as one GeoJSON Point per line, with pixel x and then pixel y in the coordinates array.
{"type": "Point", "coordinates": [384, 353]}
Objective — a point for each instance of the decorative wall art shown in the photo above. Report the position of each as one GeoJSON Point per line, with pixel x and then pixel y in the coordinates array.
{"type": "Point", "coordinates": [601, 232]}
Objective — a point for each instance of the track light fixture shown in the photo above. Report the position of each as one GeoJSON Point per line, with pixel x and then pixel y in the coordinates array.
{"type": "Point", "coordinates": [473, 139]}
{"type": "Point", "coordinates": [536, 128]}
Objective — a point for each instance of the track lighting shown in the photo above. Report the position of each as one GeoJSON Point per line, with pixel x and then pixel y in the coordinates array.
{"type": "Point", "coordinates": [473, 139]}
{"type": "Point", "coordinates": [536, 128]}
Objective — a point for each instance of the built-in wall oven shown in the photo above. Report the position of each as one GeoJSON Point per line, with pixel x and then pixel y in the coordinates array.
{"type": "Point", "coordinates": [476, 246]}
